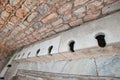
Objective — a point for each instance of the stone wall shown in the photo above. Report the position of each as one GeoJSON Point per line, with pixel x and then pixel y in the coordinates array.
{"type": "Point", "coordinates": [84, 38]}
{"type": "Point", "coordinates": [86, 58]}
{"type": "Point", "coordinates": [24, 22]}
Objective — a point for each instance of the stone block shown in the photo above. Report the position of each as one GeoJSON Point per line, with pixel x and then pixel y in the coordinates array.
{"type": "Point", "coordinates": [80, 66]}
{"type": "Point", "coordinates": [9, 8]}
{"type": "Point", "coordinates": [109, 1]}
{"type": "Point", "coordinates": [4, 15]}
{"type": "Point", "coordinates": [14, 2]}
{"type": "Point", "coordinates": [32, 16]}
{"type": "Point", "coordinates": [80, 12]}
{"type": "Point", "coordinates": [20, 13]}
{"type": "Point", "coordinates": [43, 9]}
{"type": "Point", "coordinates": [110, 8]}
{"type": "Point", "coordinates": [56, 23]}
{"type": "Point", "coordinates": [37, 25]}
{"type": "Point", "coordinates": [108, 66]}
{"type": "Point", "coordinates": [62, 28]}
{"type": "Point", "coordinates": [79, 2]}
{"type": "Point", "coordinates": [66, 17]}
{"type": "Point", "coordinates": [50, 17]}
{"type": "Point", "coordinates": [30, 3]}
{"type": "Point", "coordinates": [22, 25]}
{"type": "Point", "coordinates": [93, 15]}
{"type": "Point", "coordinates": [76, 22]}
{"type": "Point", "coordinates": [14, 19]}
{"type": "Point", "coordinates": [66, 8]}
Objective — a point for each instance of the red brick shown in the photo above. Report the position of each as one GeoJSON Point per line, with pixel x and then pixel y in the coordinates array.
{"type": "Point", "coordinates": [9, 8]}
{"type": "Point", "coordinates": [80, 2]}
{"type": "Point", "coordinates": [50, 17]}
{"type": "Point", "coordinates": [20, 13]}
{"type": "Point", "coordinates": [93, 15]}
{"type": "Point", "coordinates": [76, 22]}
{"type": "Point", "coordinates": [66, 8]}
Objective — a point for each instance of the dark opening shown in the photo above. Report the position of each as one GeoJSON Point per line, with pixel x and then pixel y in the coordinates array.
{"type": "Point", "coordinates": [1, 77]}
{"type": "Point", "coordinates": [9, 65]}
{"type": "Point", "coordinates": [28, 54]}
{"type": "Point", "coordinates": [101, 40]}
{"type": "Point", "coordinates": [49, 50]}
{"type": "Point", "coordinates": [71, 46]}
{"type": "Point", "coordinates": [37, 52]}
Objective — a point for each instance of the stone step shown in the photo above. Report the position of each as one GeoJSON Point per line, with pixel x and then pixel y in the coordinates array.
{"type": "Point", "coordinates": [59, 76]}
{"type": "Point", "coordinates": [20, 77]}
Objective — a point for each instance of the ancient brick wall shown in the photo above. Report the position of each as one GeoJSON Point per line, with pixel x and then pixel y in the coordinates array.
{"type": "Point", "coordinates": [25, 21]}
{"type": "Point", "coordinates": [22, 22]}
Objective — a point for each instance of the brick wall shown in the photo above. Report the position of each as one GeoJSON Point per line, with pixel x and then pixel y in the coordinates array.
{"type": "Point", "coordinates": [24, 22]}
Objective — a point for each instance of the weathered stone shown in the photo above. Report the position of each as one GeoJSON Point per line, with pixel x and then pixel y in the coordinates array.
{"type": "Point", "coordinates": [97, 3]}
{"type": "Point", "coordinates": [109, 1]}
{"type": "Point", "coordinates": [59, 21]}
{"type": "Point", "coordinates": [20, 13]}
{"type": "Point", "coordinates": [48, 26]}
{"type": "Point", "coordinates": [20, 29]}
{"type": "Point", "coordinates": [14, 19]}
{"type": "Point", "coordinates": [76, 22]}
{"type": "Point", "coordinates": [94, 6]}
{"type": "Point", "coordinates": [80, 12]}
{"type": "Point", "coordinates": [80, 2]}
{"type": "Point", "coordinates": [6, 30]}
{"type": "Point", "coordinates": [1, 1]}
{"type": "Point", "coordinates": [52, 2]}
{"type": "Point", "coordinates": [65, 9]}
{"type": "Point", "coordinates": [26, 23]}
{"type": "Point", "coordinates": [43, 9]}
{"type": "Point", "coordinates": [25, 8]}
{"type": "Point", "coordinates": [37, 25]}
{"type": "Point", "coordinates": [9, 8]}
{"type": "Point", "coordinates": [4, 15]}
{"type": "Point", "coordinates": [50, 17]}
{"type": "Point", "coordinates": [93, 15]}
{"type": "Point", "coordinates": [22, 26]}
{"type": "Point", "coordinates": [66, 17]}
{"type": "Point", "coordinates": [30, 3]}
{"type": "Point", "coordinates": [14, 2]}
{"type": "Point", "coordinates": [9, 25]}
{"type": "Point", "coordinates": [110, 8]}
{"type": "Point", "coordinates": [42, 29]}
{"type": "Point", "coordinates": [108, 65]}
{"type": "Point", "coordinates": [1, 8]}
{"type": "Point", "coordinates": [61, 28]}
{"type": "Point", "coordinates": [14, 32]}
{"type": "Point", "coordinates": [2, 21]}
{"type": "Point", "coordinates": [28, 32]}
{"type": "Point", "coordinates": [32, 16]}
{"type": "Point", "coordinates": [1, 26]}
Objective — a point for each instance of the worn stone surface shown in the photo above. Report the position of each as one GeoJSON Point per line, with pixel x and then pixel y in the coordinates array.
{"type": "Point", "coordinates": [29, 18]}
{"type": "Point", "coordinates": [76, 23]}
{"type": "Point", "coordinates": [108, 66]}
{"type": "Point", "coordinates": [111, 8]}
{"type": "Point", "coordinates": [80, 2]}
{"type": "Point", "coordinates": [9, 8]}
{"type": "Point", "coordinates": [20, 13]}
